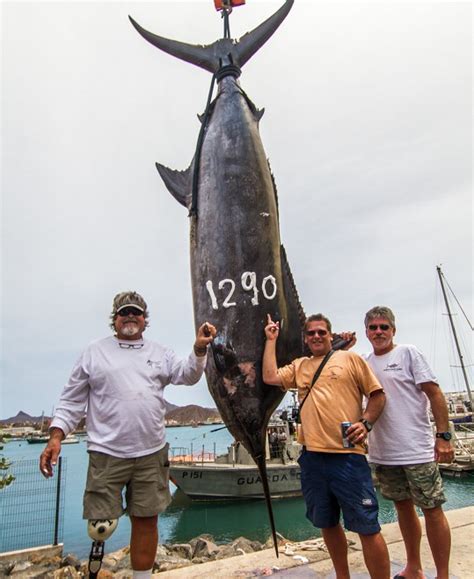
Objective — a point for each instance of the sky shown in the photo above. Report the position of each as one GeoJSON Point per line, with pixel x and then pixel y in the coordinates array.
{"type": "Point", "coordinates": [367, 126]}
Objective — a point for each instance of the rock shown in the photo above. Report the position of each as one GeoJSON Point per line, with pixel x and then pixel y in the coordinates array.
{"type": "Point", "coordinates": [84, 568]}
{"type": "Point", "coordinates": [117, 560]}
{"type": "Point", "coordinates": [182, 550]}
{"type": "Point", "coordinates": [124, 574]}
{"type": "Point", "coordinates": [45, 560]}
{"type": "Point", "coordinates": [238, 547]}
{"type": "Point", "coordinates": [199, 560]}
{"type": "Point", "coordinates": [204, 536]}
{"type": "Point", "coordinates": [226, 551]}
{"type": "Point", "coordinates": [280, 541]}
{"type": "Point", "coordinates": [70, 560]}
{"type": "Point", "coordinates": [171, 563]}
{"type": "Point", "coordinates": [104, 574]}
{"type": "Point", "coordinates": [109, 562]}
{"type": "Point", "coordinates": [124, 562]}
{"type": "Point", "coordinates": [246, 545]}
{"type": "Point", "coordinates": [66, 572]}
{"type": "Point", "coordinates": [205, 548]}
{"type": "Point", "coordinates": [162, 551]}
{"type": "Point", "coordinates": [30, 572]}
{"type": "Point", "coordinates": [21, 566]}
{"type": "Point", "coordinates": [5, 568]}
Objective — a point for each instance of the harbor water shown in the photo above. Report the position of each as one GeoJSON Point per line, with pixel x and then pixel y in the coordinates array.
{"type": "Point", "coordinates": [184, 519]}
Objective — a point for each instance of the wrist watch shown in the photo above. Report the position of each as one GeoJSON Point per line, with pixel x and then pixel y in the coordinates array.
{"type": "Point", "coordinates": [368, 425]}
{"type": "Point", "coordinates": [444, 435]}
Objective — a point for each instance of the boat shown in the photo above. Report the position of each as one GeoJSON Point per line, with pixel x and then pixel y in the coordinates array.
{"type": "Point", "coordinates": [37, 438]}
{"type": "Point", "coordinates": [41, 438]}
{"type": "Point", "coordinates": [234, 475]}
{"type": "Point", "coordinates": [459, 405]}
{"type": "Point", "coordinates": [466, 410]}
{"type": "Point", "coordinates": [71, 439]}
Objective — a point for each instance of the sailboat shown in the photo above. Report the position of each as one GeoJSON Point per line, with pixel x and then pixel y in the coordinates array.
{"type": "Point", "coordinates": [461, 411]}
{"type": "Point", "coordinates": [40, 437]}
{"type": "Point", "coordinates": [460, 408]}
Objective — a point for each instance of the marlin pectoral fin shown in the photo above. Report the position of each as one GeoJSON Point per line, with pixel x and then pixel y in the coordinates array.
{"type": "Point", "coordinates": [178, 183]}
{"type": "Point", "coordinates": [225, 358]}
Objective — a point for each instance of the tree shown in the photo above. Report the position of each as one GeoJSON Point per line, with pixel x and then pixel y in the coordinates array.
{"type": "Point", "coordinates": [5, 479]}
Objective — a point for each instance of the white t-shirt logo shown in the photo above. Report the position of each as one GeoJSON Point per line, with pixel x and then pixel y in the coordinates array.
{"type": "Point", "coordinates": [392, 368]}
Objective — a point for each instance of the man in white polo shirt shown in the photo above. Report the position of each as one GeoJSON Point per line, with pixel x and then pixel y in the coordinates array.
{"type": "Point", "coordinates": [401, 443]}
{"type": "Point", "coordinates": [119, 381]}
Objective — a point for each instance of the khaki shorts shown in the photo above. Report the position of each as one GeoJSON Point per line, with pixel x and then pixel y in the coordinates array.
{"type": "Point", "coordinates": [145, 479]}
{"type": "Point", "coordinates": [422, 483]}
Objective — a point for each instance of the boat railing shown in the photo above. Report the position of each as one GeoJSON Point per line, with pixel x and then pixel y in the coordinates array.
{"type": "Point", "coordinates": [183, 455]}
{"type": "Point", "coordinates": [463, 447]}
{"type": "Point", "coordinates": [464, 427]}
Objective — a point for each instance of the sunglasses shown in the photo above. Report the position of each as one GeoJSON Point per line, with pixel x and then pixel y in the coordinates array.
{"type": "Point", "coordinates": [383, 327]}
{"type": "Point", "coordinates": [321, 333]}
{"type": "Point", "coordinates": [130, 346]}
{"type": "Point", "coordinates": [131, 310]}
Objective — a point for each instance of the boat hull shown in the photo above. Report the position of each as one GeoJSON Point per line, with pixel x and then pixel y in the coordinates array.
{"type": "Point", "coordinates": [228, 482]}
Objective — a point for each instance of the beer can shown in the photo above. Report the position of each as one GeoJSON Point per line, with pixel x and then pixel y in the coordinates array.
{"type": "Point", "coordinates": [346, 443]}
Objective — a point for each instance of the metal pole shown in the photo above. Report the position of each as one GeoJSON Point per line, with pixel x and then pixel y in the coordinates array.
{"type": "Point", "coordinates": [440, 275]}
{"type": "Point", "coordinates": [58, 501]}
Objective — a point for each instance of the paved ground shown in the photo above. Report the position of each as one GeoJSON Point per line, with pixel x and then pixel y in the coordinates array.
{"type": "Point", "coordinates": [264, 563]}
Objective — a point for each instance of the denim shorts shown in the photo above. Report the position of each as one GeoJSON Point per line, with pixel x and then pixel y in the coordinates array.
{"type": "Point", "coordinates": [335, 482]}
{"type": "Point", "coordinates": [422, 483]}
{"type": "Point", "coordinates": [145, 479]}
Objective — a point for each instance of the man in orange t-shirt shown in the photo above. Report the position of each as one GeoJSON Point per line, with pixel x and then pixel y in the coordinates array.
{"type": "Point", "coordinates": [334, 478]}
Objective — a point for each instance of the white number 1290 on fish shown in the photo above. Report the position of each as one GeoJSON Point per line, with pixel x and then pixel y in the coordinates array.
{"type": "Point", "coordinates": [248, 281]}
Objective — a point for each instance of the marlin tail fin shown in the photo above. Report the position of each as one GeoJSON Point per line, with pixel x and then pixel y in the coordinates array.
{"type": "Point", "coordinates": [224, 51]}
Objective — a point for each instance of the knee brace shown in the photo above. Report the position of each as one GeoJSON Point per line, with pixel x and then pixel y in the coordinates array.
{"type": "Point", "coordinates": [99, 530]}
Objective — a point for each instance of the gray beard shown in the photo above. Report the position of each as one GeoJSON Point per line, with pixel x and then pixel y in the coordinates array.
{"type": "Point", "coordinates": [130, 330]}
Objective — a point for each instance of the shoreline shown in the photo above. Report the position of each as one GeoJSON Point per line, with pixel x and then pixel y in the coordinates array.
{"type": "Point", "coordinates": [304, 559]}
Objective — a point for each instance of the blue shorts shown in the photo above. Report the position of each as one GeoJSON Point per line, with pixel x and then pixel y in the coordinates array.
{"type": "Point", "coordinates": [335, 482]}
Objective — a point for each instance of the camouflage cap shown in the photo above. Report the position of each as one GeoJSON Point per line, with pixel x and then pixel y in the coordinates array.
{"type": "Point", "coordinates": [130, 298]}
{"type": "Point", "coordinates": [124, 299]}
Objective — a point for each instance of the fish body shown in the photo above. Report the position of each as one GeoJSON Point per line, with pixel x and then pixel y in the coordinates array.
{"type": "Point", "coordinates": [239, 269]}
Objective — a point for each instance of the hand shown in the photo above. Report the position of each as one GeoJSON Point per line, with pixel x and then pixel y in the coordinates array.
{"type": "Point", "coordinates": [49, 456]}
{"type": "Point", "coordinates": [205, 335]}
{"type": "Point", "coordinates": [444, 452]}
{"type": "Point", "coordinates": [272, 329]}
{"type": "Point", "coordinates": [350, 337]}
{"type": "Point", "coordinates": [357, 433]}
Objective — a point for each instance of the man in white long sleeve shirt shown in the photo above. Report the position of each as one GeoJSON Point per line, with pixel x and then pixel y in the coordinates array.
{"type": "Point", "coordinates": [119, 382]}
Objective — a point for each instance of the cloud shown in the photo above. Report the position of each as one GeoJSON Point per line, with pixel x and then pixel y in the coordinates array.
{"type": "Point", "coordinates": [367, 127]}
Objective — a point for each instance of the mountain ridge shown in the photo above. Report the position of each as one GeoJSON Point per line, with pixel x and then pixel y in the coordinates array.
{"type": "Point", "coordinates": [189, 414]}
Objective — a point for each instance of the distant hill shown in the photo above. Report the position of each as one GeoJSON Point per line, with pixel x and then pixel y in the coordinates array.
{"type": "Point", "coordinates": [191, 414]}
{"type": "Point", "coordinates": [22, 418]}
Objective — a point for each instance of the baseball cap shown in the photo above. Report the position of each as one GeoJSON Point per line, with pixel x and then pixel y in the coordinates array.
{"type": "Point", "coordinates": [128, 299]}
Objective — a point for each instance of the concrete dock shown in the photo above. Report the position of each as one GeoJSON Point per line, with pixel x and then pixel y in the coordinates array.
{"type": "Point", "coordinates": [315, 563]}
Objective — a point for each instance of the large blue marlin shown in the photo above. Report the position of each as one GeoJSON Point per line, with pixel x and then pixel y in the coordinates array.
{"type": "Point", "coordinates": [239, 267]}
